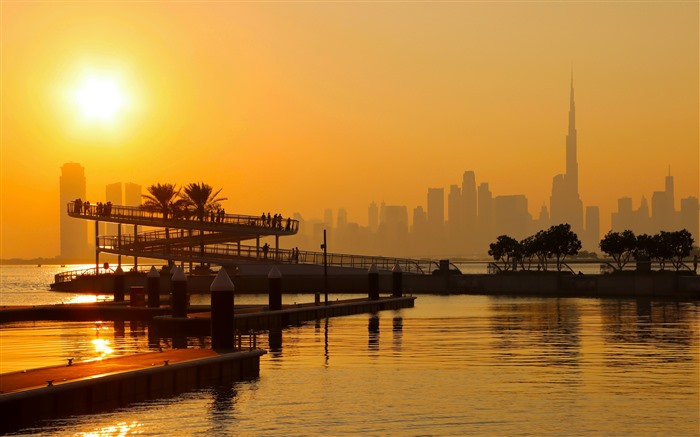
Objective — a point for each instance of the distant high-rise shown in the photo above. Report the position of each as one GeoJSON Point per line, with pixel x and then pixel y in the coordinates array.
{"type": "Point", "coordinates": [373, 217]}
{"type": "Point", "coordinates": [485, 217]}
{"type": "Point", "coordinates": [342, 218]}
{"type": "Point", "coordinates": [328, 218]}
{"type": "Point", "coordinates": [74, 243]}
{"type": "Point", "coordinates": [623, 219]}
{"type": "Point", "coordinates": [565, 202]}
{"type": "Point", "coordinates": [132, 194]}
{"type": "Point", "coordinates": [591, 238]}
{"type": "Point", "coordinates": [470, 210]}
{"type": "Point", "coordinates": [436, 216]}
{"type": "Point", "coordinates": [455, 217]}
{"type": "Point", "coordinates": [511, 216]}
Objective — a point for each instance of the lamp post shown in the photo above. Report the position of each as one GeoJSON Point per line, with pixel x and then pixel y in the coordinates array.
{"type": "Point", "coordinates": [324, 246]}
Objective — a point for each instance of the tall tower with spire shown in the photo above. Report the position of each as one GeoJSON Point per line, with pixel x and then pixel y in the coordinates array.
{"type": "Point", "coordinates": [565, 202]}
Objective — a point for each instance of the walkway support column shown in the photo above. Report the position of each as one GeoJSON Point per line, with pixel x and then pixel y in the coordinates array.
{"type": "Point", "coordinates": [179, 298]}
{"type": "Point", "coordinates": [396, 281]}
{"type": "Point", "coordinates": [97, 247]}
{"type": "Point", "coordinates": [274, 279]}
{"type": "Point", "coordinates": [119, 284]}
{"type": "Point", "coordinates": [222, 323]}
{"type": "Point", "coordinates": [373, 284]}
{"type": "Point", "coordinates": [153, 288]}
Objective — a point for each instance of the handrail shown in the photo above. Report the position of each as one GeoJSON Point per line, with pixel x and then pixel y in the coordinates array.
{"type": "Point", "coordinates": [116, 212]}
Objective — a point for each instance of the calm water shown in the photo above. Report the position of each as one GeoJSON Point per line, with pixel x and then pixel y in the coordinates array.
{"type": "Point", "coordinates": [456, 365]}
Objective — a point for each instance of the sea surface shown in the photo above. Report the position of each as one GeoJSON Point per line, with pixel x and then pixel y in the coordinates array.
{"type": "Point", "coordinates": [453, 365]}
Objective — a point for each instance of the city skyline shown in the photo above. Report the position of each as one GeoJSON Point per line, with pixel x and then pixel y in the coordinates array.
{"type": "Point", "coordinates": [302, 107]}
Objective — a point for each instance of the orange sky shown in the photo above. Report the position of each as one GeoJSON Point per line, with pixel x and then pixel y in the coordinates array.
{"type": "Point", "coordinates": [301, 106]}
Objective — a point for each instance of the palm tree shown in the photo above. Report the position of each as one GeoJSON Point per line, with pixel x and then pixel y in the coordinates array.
{"type": "Point", "coordinates": [162, 198]}
{"type": "Point", "coordinates": [201, 199]}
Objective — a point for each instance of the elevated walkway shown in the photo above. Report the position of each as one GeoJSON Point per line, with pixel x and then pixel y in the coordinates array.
{"type": "Point", "coordinates": [214, 240]}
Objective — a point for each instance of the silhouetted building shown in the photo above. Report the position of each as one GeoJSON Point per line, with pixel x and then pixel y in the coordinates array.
{"type": "Point", "coordinates": [590, 240]}
{"type": "Point", "coordinates": [470, 211]}
{"type": "Point", "coordinates": [342, 218]}
{"type": "Point", "coordinates": [455, 218]}
{"type": "Point", "coordinates": [373, 217]}
{"type": "Point", "coordinates": [623, 218]}
{"type": "Point", "coordinates": [74, 232]}
{"type": "Point", "coordinates": [689, 217]}
{"type": "Point", "coordinates": [565, 202]}
{"type": "Point", "coordinates": [132, 194]}
{"type": "Point", "coordinates": [393, 232]}
{"type": "Point", "coordinates": [511, 216]}
{"type": "Point", "coordinates": [436, 217]}
{"type": "Point", "coordinates": [419, 231]}
{"type": "Point", "coordinates": [484, 217]}
{"type": "Point", "coordinates": [328, 218]}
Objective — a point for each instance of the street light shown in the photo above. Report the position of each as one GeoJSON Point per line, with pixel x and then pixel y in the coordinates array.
{"type": "Point", "coordinates": [324, 246]}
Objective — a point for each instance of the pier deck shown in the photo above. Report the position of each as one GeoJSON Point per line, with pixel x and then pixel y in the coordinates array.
{"type": "Point", "coordinates": [88, 387]}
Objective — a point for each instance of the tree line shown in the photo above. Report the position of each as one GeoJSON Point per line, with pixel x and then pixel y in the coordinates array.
{"type": "Point", "coordinates": [560, 241]}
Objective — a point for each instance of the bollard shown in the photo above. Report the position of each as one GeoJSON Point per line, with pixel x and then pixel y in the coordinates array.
{"type": "Point", "coordinates": [119, 282]}
{"type": "Point", "coordinates": [137, 297]}
{"type": "Point", "coordinates": [222, 324]}
{"type": "Point", "coordinates": [317, 298]}
{"type": "Point", "coordinates": [396, 281]}
{"type": "Point", "coordinates": [153, 288]}
{"type": "Point", "coordinates": [274, 279]}
{"type": "Point", "coordinates": [373, 276]}
{"type": "Point", "coordinates": [178, 300]}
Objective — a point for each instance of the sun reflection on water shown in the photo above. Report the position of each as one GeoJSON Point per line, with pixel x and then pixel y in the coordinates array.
{"type": "Point", "coordinates": [118, 430]}
{"type": "Point", "coordinates": [102, 348]}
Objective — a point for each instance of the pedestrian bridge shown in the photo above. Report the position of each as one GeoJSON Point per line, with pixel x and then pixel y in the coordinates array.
{"type": "Point", "coordinates": [216, 239]}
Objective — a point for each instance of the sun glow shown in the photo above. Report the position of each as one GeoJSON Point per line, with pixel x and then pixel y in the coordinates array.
{"type": "Point", "coordinates": [100, 98]}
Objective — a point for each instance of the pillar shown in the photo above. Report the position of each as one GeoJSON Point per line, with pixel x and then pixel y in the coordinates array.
{"type": "Point", "coordinates": [179, 298]}
{"type": "Point", "coordinates": [153, 288]}
{"type": "Point", "coordinates": [119, 284]}
{"type": "Point", "coordinates": [222, 323]}
{"type": "Point", "coordinates": [396, 281]}
{"type": "Point", "coordinates": [274, 279]}
{"type": "Point", "coordinates": [373, 277]}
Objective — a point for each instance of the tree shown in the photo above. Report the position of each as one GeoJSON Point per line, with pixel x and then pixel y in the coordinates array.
{"type": "Point", "coordinates": [201, 199]}
{"type": "Point", "coordinates": [162, 198]}
{"type": "Point", "coordinates": [528, 251]}
{"type": "Point", "coordinates": [561, 241]}
{"type": "Point", "coordinates": [505, 249]}
{"type": "Point", "coordinates": [680, 243]}
{"type": "Point", "coordinates": [620, 246]}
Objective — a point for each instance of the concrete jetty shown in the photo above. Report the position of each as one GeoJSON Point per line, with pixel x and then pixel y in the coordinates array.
{"type": "Point", "coordinates": [28, 397]}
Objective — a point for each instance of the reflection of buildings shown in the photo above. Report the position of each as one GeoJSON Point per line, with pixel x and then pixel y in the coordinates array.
{"type": "Point", "coordinates": [74, 243]}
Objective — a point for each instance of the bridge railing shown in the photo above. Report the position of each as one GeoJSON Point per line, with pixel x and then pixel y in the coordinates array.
{"type": "Point", "coordinates": [234, 251]}
{"type": "Point", "coordinates": [115, 212]}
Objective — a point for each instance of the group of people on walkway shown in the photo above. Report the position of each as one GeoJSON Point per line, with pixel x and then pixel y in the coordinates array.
{"type": "Point", "coordinates": [101, 209]}
{"type": "Point", "coordinates": [275, 221]}
{"type": "Point", "coordinates": [218, 216]}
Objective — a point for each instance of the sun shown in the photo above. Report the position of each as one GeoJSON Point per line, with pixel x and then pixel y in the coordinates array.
{"type": "Point", "coordinates": [100, 98]}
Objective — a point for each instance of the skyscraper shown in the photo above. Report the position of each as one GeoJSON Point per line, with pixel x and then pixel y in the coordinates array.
{"type": "Point", "coordinates": [132, 194]}
{"type": "Point", "coordinates": [436, 217]}
{"type": "Point", "coordinates": [74, 243]}
{"type": "Point", "coordinates": [373, 217]}
{"type": "Point", "coordinates": [113, 193]}
{"type": "Point", "coordinates": [565, 202]}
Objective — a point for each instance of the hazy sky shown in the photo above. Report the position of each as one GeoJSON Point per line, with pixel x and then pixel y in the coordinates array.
{"type": "Point", "coordinates": [300, 106]}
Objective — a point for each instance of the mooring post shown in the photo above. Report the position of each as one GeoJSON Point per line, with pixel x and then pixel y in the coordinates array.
{"type": "Point", "coordinates": [274, 279]}
{"type": "Point", "coordinates": [222, 324]}
{"type": "Point", "coordinates": [396, 281]}
{"type": "Point", "coordinates": [373, 276]}
{"type": "Point", "coordinates": [119, 284]}
{"type": "Point", "coordinates": [153, 288]}
{"type": "Point", "coordinates": [178, 299]}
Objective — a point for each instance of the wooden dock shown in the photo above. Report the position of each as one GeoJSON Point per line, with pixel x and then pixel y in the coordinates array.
{"type": "Point", "coordinates": [261, 318]}
{"type": "Point", "coordinates": [28, 397]}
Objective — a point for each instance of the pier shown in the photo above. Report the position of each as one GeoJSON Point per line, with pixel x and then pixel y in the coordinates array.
{"type": "Point", "coordinates": [28, 397]}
